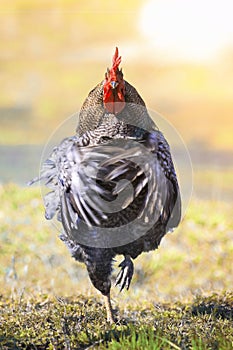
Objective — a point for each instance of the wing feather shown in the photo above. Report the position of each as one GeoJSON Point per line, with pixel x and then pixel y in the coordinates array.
{"type": "Point", "coordinates": [87, 179]}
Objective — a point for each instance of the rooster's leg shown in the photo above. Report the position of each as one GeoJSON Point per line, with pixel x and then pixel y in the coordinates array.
{"type": "Point", "coordinates": [125, 275]}
{"type": "Point", "coordinates": [108, 306]}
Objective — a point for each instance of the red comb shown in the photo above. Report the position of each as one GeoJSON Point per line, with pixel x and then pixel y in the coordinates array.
{"type": "Point", "coordinates": [116, 60]}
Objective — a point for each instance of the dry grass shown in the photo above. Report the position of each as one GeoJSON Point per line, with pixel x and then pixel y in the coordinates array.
{"type": "Point", "coordinates": [177, 299]}
{"type": "Point", "coordinates": [195, 258]}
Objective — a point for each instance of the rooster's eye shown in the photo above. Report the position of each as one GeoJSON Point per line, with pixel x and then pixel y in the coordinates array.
{"type": "Point", "coordinates": [113, 84]}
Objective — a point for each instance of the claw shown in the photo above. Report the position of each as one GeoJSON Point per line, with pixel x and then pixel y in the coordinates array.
{"type": "Point", "coordinates": [125, 275]}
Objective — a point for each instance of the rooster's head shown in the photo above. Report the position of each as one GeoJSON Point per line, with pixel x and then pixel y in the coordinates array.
{"type": "Point", "coordinates": [114, 87]}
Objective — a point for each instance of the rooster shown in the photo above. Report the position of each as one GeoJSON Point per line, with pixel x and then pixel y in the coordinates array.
{"type": "Point", "coordinates": [113, 185]}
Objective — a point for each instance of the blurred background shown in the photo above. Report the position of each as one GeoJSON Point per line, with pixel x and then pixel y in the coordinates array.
{"type": "Point", "coordinates": [177, 53]}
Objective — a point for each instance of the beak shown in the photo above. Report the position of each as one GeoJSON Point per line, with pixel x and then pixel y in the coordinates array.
{"type": "Point", "coordinates": [113, 84]}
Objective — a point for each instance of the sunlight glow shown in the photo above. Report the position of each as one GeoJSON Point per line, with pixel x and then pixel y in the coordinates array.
{"type": "Point", "coordinates": [182, 29]}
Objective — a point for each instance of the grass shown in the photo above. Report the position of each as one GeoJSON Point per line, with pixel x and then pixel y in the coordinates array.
{"type": "Point", "coordinates": [180, 297]}
{"type": "Point", "coordinates": [43, 322]}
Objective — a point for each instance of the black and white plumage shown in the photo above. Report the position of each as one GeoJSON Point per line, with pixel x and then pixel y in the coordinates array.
{"type": "Point", "coordinates": [113, 187]}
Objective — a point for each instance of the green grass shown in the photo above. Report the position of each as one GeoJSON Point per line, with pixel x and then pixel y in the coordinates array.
{"type": "Point", "coordinates": [43, 322]}
{"type": "Point", "coordinates": [180, 297]}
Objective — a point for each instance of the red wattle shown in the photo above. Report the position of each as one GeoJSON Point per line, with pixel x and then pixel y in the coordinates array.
{"type": "Point", "coordinates": [113, 102]}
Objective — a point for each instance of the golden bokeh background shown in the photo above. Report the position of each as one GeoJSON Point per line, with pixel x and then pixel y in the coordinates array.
{"type": "Point", "coordinates": [178, 54]}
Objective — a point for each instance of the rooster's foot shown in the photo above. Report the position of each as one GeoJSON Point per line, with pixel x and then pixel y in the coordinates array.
{"type": "Point", "coordinates": [125, 275]}
{"type": "Point", "coordinates": [108, 305]}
